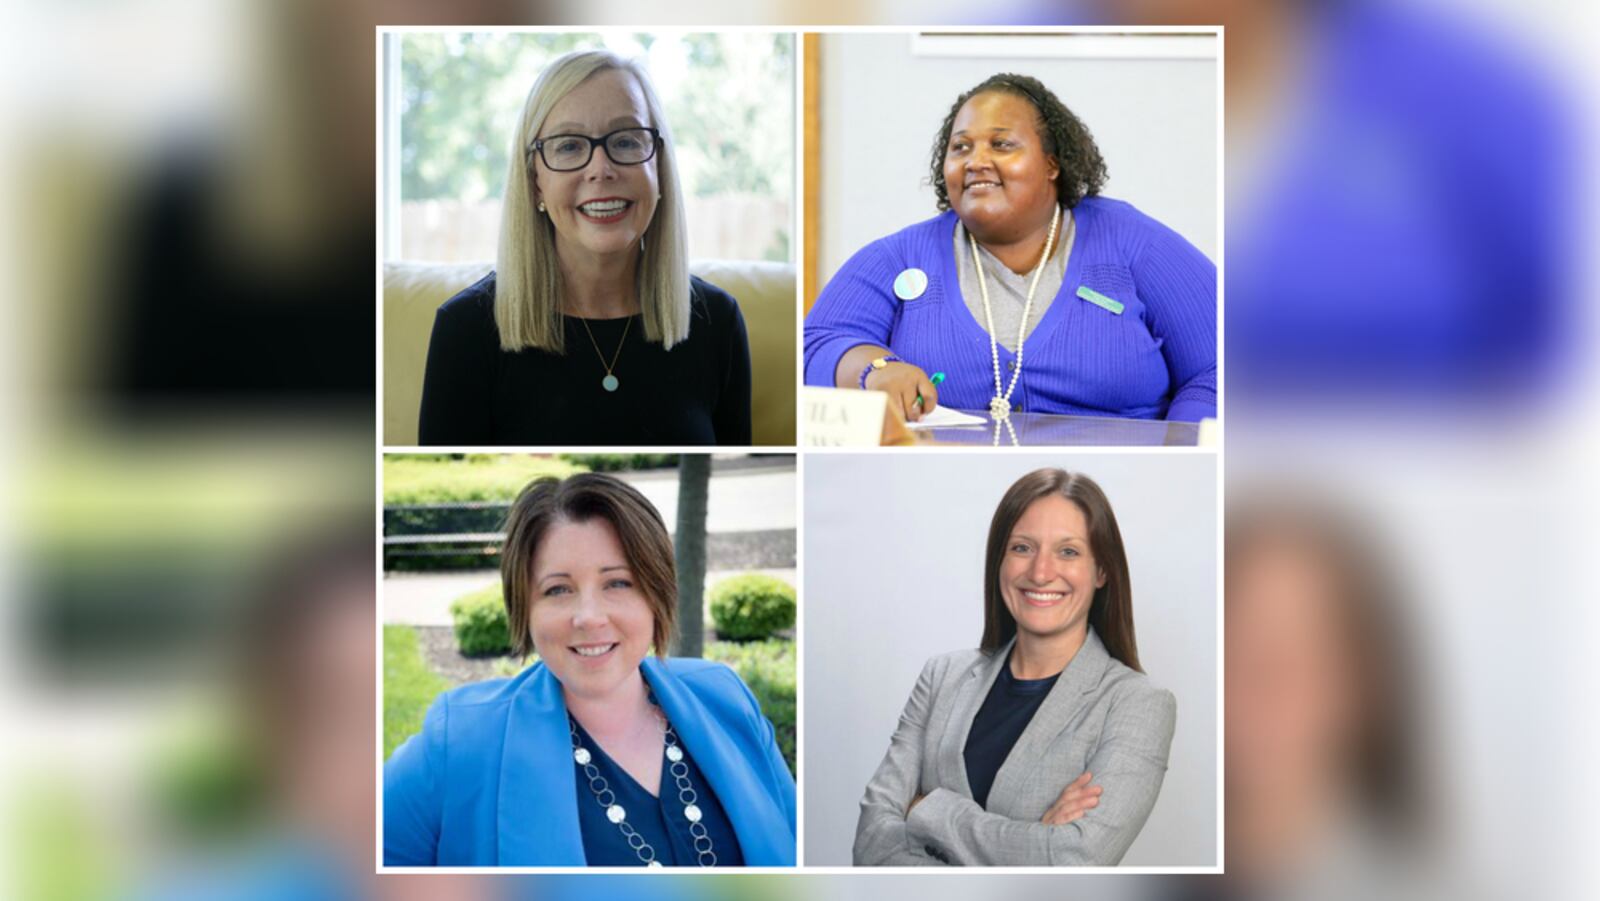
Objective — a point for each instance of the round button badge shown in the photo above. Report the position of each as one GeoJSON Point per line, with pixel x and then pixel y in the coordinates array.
{"type": "Point", "coordinates": [910, 284]}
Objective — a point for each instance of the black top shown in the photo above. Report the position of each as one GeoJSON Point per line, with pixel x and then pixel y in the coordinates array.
{"type": "Point", "coordinates": [659, 820]}
{"type": "Point", "coordinates": [696, 393]}
{"type": "Point", "coordinates": [200, 322]}
{"type": "Point", "coordinates": [1007, 711]}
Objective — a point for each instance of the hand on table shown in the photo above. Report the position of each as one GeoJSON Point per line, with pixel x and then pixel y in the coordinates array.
{"type": "Point", "coordinates": [902, 382]}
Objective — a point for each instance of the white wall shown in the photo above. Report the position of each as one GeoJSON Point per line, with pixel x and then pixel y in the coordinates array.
{"type": "Point", "coordinates": [893, 569]}
{"type": "Point", "coordinates": [1155, 121]}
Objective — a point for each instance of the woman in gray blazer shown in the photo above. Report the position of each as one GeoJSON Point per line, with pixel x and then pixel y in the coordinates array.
{"type": "Point", "coordinates": [1047, 745]}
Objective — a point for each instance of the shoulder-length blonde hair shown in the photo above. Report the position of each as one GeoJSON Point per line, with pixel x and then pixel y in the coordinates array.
{"type": "Point", "coordinates": [527, 297]}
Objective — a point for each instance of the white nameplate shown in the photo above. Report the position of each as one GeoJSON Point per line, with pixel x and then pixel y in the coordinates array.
{"type": "Point", "coordinates": [842, 417]}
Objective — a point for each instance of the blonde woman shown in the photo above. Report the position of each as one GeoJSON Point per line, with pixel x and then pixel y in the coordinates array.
{"type": "Point", "coordinates": [590, 331]}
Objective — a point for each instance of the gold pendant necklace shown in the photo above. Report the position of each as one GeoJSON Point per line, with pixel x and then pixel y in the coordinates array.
{"type": "Point", "coordinates": [610, 382]}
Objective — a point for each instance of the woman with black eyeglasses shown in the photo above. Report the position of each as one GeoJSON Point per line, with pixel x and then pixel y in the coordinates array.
{"type": "Point", "coordinates": [590, 331]}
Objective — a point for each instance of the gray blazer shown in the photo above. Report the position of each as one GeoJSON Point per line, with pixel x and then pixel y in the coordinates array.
{"type": "Point", "coordinates": [1101, 716]}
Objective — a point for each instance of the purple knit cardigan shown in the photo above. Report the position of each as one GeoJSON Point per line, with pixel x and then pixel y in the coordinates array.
{"type": "Point", "coordinates": [1155, 358]}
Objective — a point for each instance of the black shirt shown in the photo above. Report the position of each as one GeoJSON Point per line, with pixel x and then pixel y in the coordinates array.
{"type": "Point", "coordinates": [1005, 713]}
{"type": "Point", "coordinates": [698, 393]}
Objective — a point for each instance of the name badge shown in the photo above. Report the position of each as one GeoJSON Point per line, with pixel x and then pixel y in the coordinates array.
{"type": "Point", "coordinates": [910, 284]}
{"type": "Point", "coordinates": [1100, 300]}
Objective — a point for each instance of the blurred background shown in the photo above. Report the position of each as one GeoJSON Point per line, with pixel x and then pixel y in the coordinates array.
{"type": "Point", "coordinates": [191, 250]}
{"type": "Point", "coordinates": [452, 100]}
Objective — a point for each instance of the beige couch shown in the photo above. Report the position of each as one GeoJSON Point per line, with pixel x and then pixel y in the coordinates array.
{"type": "Point", "coordinates": [766, 295]}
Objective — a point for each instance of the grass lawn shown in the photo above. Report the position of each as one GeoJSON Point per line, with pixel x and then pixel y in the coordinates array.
{"type": "Point", "coordinates": [409, 686]}
{"type": "Point", "coordinates": [497, 477]}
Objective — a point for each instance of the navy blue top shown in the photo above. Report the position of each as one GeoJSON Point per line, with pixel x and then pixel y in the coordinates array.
{"type": "Point", "coordinates": [658, 820]}
{"type": "Point", "coordinates": [1007, 710]}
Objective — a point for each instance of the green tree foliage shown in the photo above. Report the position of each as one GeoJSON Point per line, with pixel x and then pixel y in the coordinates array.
{"type": "Point", "coordinates": [734, 119]}
{"type": "Point", "coordinates": [731, 107]}
{"type": "Point", "coordinates": [461, 96]}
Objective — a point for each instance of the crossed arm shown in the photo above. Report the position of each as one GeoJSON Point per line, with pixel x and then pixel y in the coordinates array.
{"type": "Point", "coordinates": [898, 828]}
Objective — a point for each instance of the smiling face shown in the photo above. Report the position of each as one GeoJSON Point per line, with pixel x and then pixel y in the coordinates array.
{"type": "Point", "coordinates": [589, 619]}
{"type": "Point", "coordinates": [603, 209]}
{"type": "Point", "coordinates": [999, 178]}
{"type": "Point", "coordinates": [1048, 575]}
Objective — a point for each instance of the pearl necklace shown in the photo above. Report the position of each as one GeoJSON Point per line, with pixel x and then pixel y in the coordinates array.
{"type": "Point", "coordinates": [1000, 404]}
{"type": "Point", "coordinates": [616, 813]}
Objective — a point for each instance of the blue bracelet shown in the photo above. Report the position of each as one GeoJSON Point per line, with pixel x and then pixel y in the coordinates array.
{"type": "Point", "coordinates": [879, 363]}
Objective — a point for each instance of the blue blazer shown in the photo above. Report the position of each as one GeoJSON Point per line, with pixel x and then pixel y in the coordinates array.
{"type": "Point", "coordinates": [490, 780]}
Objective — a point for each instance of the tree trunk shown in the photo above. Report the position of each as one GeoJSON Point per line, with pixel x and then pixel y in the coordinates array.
{"type": "Point", "coordinates": [694, 479]}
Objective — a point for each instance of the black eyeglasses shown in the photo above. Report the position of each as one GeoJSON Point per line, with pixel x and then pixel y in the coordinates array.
{"type": "Point", "coordinates": [625, 147]}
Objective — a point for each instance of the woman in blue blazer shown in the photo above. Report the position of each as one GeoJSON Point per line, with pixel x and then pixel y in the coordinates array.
{"type": "Point", "coordinates": [599, 754]}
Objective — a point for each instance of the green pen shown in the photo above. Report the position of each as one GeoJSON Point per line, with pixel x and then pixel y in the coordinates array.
{"type": "Point", "coordinates": [934, 380]}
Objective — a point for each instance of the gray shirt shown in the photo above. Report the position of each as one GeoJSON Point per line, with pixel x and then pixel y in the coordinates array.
{"type": "Point", "coordinates": [1008, 291]}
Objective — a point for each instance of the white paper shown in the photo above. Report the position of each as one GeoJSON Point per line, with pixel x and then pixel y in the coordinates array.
{"type": "Point", "coordinates": [945, 417]}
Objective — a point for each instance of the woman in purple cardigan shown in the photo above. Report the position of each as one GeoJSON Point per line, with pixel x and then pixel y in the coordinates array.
{"type": "Point", "coordinates": [1030, 292]}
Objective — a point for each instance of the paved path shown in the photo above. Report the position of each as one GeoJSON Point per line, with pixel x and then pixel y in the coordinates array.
{"type": "Point", "coordinates": [423, 599]}
{"type": "Point", "coordinates": [735, 503]}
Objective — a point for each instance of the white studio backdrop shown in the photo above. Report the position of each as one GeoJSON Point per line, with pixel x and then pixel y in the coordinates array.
{"type": "Point", "coordinates": [893, 570]}
{"type": "Point", "coordinates": [883, 97]}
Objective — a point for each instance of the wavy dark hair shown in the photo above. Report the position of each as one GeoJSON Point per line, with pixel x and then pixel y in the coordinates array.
{"type": "Point", "coordinates": [1083, 170]}
{"type": "Point", "coordinates": [549, 501]}
{"type": "Point", "coordinates": [1111, 610]}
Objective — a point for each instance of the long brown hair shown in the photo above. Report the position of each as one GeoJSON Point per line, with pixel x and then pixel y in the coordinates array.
{"type": "Point", "coordinates": [1111, 611]}
{"type": "Point", "coordinates": [581, 498]}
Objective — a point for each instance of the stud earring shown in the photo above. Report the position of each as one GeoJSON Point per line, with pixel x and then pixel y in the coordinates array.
{"type": "Point", "coordinates": [541, 206]}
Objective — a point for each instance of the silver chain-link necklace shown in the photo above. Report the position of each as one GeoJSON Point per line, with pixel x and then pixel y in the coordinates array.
{"type": "Point", "coordinates": [676, 767]}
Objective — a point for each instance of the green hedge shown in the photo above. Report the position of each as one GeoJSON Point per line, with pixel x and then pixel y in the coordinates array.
{"type": "Point", "coordinates": [752, 606]}
{"type": "Point", "coordinates": [409, 479]}
{"type": "Point", "coordinates": [621, 462]}
{"type": "Point", "coordinates": [409, 686]}
{"type": "Point", "coordinates": [480, 623]}
{"type": "Point", "coordinates": [482, 516]}
{"type": "Point", "coordinates": [768, 668]}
